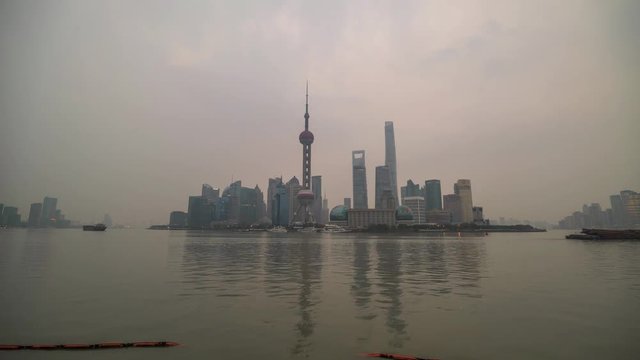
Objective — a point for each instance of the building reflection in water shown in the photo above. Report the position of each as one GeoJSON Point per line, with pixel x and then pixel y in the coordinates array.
{"type": "Point", "coordinates": [389, 274]}
{"type": "Point", "coordinates": [361, 288]}
{"type": "Point", "coordinates": [213, 265]}
{"type": "Point", "coordinates": [293, 272]}
{"type": "Point", "coordinates": [467, 256]}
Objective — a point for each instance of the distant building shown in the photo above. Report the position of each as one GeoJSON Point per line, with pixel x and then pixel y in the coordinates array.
{"type": "Point", "coordinates": [417, 206]}
{"type": "Point", "coordinates": [347, 203]}
{"type": "Point", "coordinates": [360, 197]}
{"type": "Point", "coordinates": [107, 220]}
{"type": "Point", "coordinates": [293, 187]}
{"type": "Point", "coordinates": [432, 195]}
{"type": "Point", "coordinates": [10, 216]}
{"type": "Point", "coordinates": [49, 206]}
{"type": "Point", "coordinates": [383, 183]}
{"type": "Point", "coordinates": [316, 205]}
{"type": "Point", "coordinates": [35, 213]}
{"type": "Point", "coordinates": [452, 205]}
{"type": "Point", "coordinates": [438, 217]}
{"type": "Point", "coordinates": [261, 207]}
{"type": "Point", "coordinates": [324, 218]}
{"type": "Point", "coordinates": [271, 193]}
{"type": "Point", "coordinates": [339, 215]}
{"type": "Point", "coordinates": [478, 216]}
{"type": "Point", "coordinates": [390, 156]}
{"type": "Point", "coordinates": [462, 188]}
{"type": "Point", "coordinates": [177, 219]}
{"type": "Point", "coordinates": [404, 215]}
{"type": "Point", "coordinates": [631, 205]}
{"type": "Point", "coordinates": [210, 194]}
{"type": "Point", "coordinates": [387, 201]}
{"type": "Point", "coordinates": [200, 213]}
{"type": "Point", "coordinates": [280, 205]}
{"type": "Point", "coordinates": [617, 211]}
{"type": "Point", "coordinates": [411, 189]}
{"type": "Point", "coordinates": [366, 218]}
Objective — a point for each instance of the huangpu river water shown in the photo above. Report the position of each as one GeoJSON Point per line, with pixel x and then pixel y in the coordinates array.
{"type": "Point", "coordinates": [319, 296]}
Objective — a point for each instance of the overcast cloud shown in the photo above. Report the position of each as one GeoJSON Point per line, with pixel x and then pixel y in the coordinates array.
{"type": "Point", "coordinates": [127, 107]}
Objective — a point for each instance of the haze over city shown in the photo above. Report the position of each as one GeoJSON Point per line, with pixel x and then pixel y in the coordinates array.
{"type": "Point", "coordinates": [127, 108]}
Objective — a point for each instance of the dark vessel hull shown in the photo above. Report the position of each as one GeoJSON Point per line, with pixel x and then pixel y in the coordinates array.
{"type": "Point", "coordinates": [97, 227]}
{"type": "Point", "coordinates": [603, 234]}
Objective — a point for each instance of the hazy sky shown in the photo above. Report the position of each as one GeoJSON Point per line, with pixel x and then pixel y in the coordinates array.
{"type": "Point", "coordinates": [127, 107]}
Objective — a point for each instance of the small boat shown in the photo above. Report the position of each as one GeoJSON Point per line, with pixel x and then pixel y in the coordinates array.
{"type": "Point", "coordinates": [96, 227]}
{"type": "Point", "coordinates": [331, 228]}
{"type": "Point", "coordinates": [278, 229]}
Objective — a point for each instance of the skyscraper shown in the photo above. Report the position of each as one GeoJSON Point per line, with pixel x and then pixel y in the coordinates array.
{"type": "Point", "coordinates": [452, 204]}
{"type": "Point", "coordinates": [416, 204]}
{"type": "Point", "coordinates": [462, 188]}
{"type": "Point", "coordinates": [35, 213]}
{"type": "Point", "coordinates": [210, 193]}
{"type": "Point", "coordinates": [347, 203]}
{"type": "Point", "coordinates": [412, 189]}
{"type": "Point", "coordinates": [360, 198]}
{"type": "Point", "coordinates": [316, 206]}
{"type": "Point", "coordinates": [49, 206]}
{"type": "Point", "coordinates": [433, 195]}
{"type": "Point", "coordinates": [383, 182]}
{"type": "Point", "coordinates": [271, 193]}
{"type": "Point", "coordinates": [305, 196]}
{"type": "Point", "coordinates": [390, 156]}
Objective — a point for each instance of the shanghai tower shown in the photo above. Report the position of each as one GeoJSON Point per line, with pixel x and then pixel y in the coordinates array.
{"type": "Point", "coordinates": [305, 195]}
{"type": "Point", "coordinates": [390, 156]}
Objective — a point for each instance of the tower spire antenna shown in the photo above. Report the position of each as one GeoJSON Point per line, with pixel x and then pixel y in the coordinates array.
{"type": "Point", "coordinates": [306, 108]}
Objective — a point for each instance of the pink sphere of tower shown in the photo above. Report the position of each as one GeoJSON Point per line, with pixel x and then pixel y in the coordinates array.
{"type": "Point", "coordinates": [306, 137]}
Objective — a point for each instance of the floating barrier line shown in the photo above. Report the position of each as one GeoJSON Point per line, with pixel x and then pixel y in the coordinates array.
{"type": "Point", "coordinates": [395, 356]}
{"type": "Point", "coordinates": [105, 345]}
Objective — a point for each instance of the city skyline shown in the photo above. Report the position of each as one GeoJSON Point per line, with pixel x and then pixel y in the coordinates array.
{"type": "Point", "coordinates": [128, 127]}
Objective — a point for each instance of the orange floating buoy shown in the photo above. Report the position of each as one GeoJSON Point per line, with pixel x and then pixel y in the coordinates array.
{"type": "Point", "coordinates": [10, 347]}
{"type": "Point", "coordinates": [105, 345]}
{"type": "Point", "coordinates": [76, 346]}
{"type": "Point", "coordinates": [396, 356]}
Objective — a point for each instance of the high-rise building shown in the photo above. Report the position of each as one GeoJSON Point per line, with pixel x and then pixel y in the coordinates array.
{"type": "Point", "coordinates": [210, 194]}
{"type": "Point", "coordinates": [316, 206]}
{"type": "Point", "coordinates": [390, 156]}
{"type": "Point", "coordinates": [412, 189]}
{"type": "Point", "coordinates": [49, 206]}
{"type": "Point", "coordinates": [35, 213]}
{"type": "Point", "coordinates": [200, 213]}
{"type": "Point", "coordinates": [617, 210]}
{"type": "Point", "coordinates": [271, 193]}
{"type": "Point", "coordinates": [347, 203]}
{"type": "Point", "coordinates": [453, 205]}
{"type": "Point", "coordinates": [383, 183]}
{"type": "Point", "coordinates": [177, 219]}
{"type": "Point", "coordinates": [293, 188]}
{"type": "Point", "coordinates": [432, 195]}
{"type": "Point", "coordinates": [462, 188]}
{"type": "Point", "coordinates": [478, 216]}
{"type": "Point", "coordinates": [10, 216]}
{"type": "Point", "coordinates": [280, 205]}
{"type": "Point", "coordinates": [261, 207]}
{"type": "Point", "coordinates": [360, 198]}
{"type": "Point", "coordinates": [416, 204]}
{"type": "Point", "coordinates": [631, 205]}
{"type": "Point", "coordinates": [305, 196]}
{"type": "Point", "coordinates": [325, 211]}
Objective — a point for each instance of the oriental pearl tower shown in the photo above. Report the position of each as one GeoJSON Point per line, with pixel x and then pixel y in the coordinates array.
{"type": "Point", "coordinates": [305, 195]}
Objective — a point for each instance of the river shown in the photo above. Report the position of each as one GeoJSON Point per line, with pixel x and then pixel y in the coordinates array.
{"type": "Point", "coordinates": [319, 296]}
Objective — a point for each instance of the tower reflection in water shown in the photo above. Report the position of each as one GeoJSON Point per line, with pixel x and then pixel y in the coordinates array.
{"type": "Point", "coordinates": [293, 272]}
{"type": "Point", "coordinates": [389, 275]}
